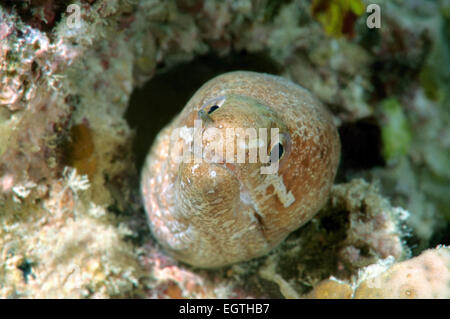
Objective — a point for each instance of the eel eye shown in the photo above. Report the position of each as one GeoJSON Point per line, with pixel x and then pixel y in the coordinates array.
{"type": "Point", "coordinates": [276, 153]}
{"type": "Point", "coordinates": [213, 108]}
{"type": "Point", "coordinates": [212, 105]}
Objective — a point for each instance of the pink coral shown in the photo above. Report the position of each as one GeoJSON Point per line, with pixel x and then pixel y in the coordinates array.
{"type": "Point", "coordinates": [425, 276]}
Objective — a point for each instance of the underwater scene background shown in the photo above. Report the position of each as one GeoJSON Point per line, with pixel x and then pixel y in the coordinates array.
{"type": "Point", "coordinates": [87, 85]}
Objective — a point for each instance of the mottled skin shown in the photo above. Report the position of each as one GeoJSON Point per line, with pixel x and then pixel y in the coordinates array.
{"type": "Point", "coordinates": [214, 214]}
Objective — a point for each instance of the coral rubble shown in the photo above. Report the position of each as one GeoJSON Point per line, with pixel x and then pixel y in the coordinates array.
{"type": "Point", "coordinates": [71, 220]}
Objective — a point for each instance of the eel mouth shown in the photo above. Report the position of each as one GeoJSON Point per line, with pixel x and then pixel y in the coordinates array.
{"type": "Point", "coordinates": [245, 196]}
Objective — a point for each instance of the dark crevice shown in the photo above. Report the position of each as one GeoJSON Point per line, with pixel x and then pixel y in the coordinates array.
{"type": "Point", "coordinates": [335, 222]}
{"type": "Point", "coordinates": [155, 104]}
{"type": "Point", "coordinates": [27, 269]}
{"type": "Point", "coordinates": [361, 146]}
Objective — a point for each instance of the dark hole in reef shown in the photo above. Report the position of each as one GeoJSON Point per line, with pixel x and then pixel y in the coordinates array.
{"type": "Point", "coordinates": [26, 268]}
{"type": "Point", "coordinates": [335, 222]}
{"type": "Point", "coordinates": [364, 251]}
{"type": "Point", "coordinates": [441, 237]}
{"type": "Point", "coordinates": [154, 105]}
{"type": "Point", "coordinates": [361, 145]}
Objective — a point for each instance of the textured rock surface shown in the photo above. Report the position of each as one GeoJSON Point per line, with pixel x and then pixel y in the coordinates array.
{"type": "Point", "coordinates": [64, 91]}
{"type": "Point", "coordinates": [426, 276]}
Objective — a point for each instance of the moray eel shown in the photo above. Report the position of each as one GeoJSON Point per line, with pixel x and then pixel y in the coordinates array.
{"type": "Point", "coordinates": [210, 207]}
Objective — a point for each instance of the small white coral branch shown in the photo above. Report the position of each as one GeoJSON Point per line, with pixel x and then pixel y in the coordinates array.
{"type": "Point", "coordinates": [373, 271]}
{"type": "Point", "coordinates": [74, 181]}
{"type": "Point", "coordinates": [71, 185]}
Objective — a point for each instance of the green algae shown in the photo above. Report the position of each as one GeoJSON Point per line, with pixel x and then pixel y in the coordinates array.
{"type": "Point", "coordinates": [396, 133]}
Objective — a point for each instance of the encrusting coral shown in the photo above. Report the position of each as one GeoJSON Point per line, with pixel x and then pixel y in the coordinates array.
{"type": "Point", "coordinates": [424, 276]}
{"type": "Point", "coordinates": [355, 229]}
{"type": "Point", "coordinates": [64, 245]}
{"type": "Point", "coordinates": [71, 218]}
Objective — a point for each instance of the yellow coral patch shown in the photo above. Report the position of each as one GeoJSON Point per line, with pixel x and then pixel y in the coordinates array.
{"type": "Point", "coordinates": [338, 16]}
{"type": "Point", "coordinates": [79, 152]}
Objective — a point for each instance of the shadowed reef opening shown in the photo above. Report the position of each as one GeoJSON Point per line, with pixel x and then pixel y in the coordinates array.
{"type": "Point", "coordinates": [156, 103]}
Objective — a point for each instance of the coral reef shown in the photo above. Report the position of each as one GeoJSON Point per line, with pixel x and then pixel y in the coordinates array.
{"type": "Point", "coordinates": [71, 218]}
{"type": "Point", "coordinates": [55, 243]}
{"type": "Point", "coordinates": [425, 276]}
{"type": "Point", "coordinates": [356, 228]}
{"type": "Point", "coordinates": [337, 17]}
